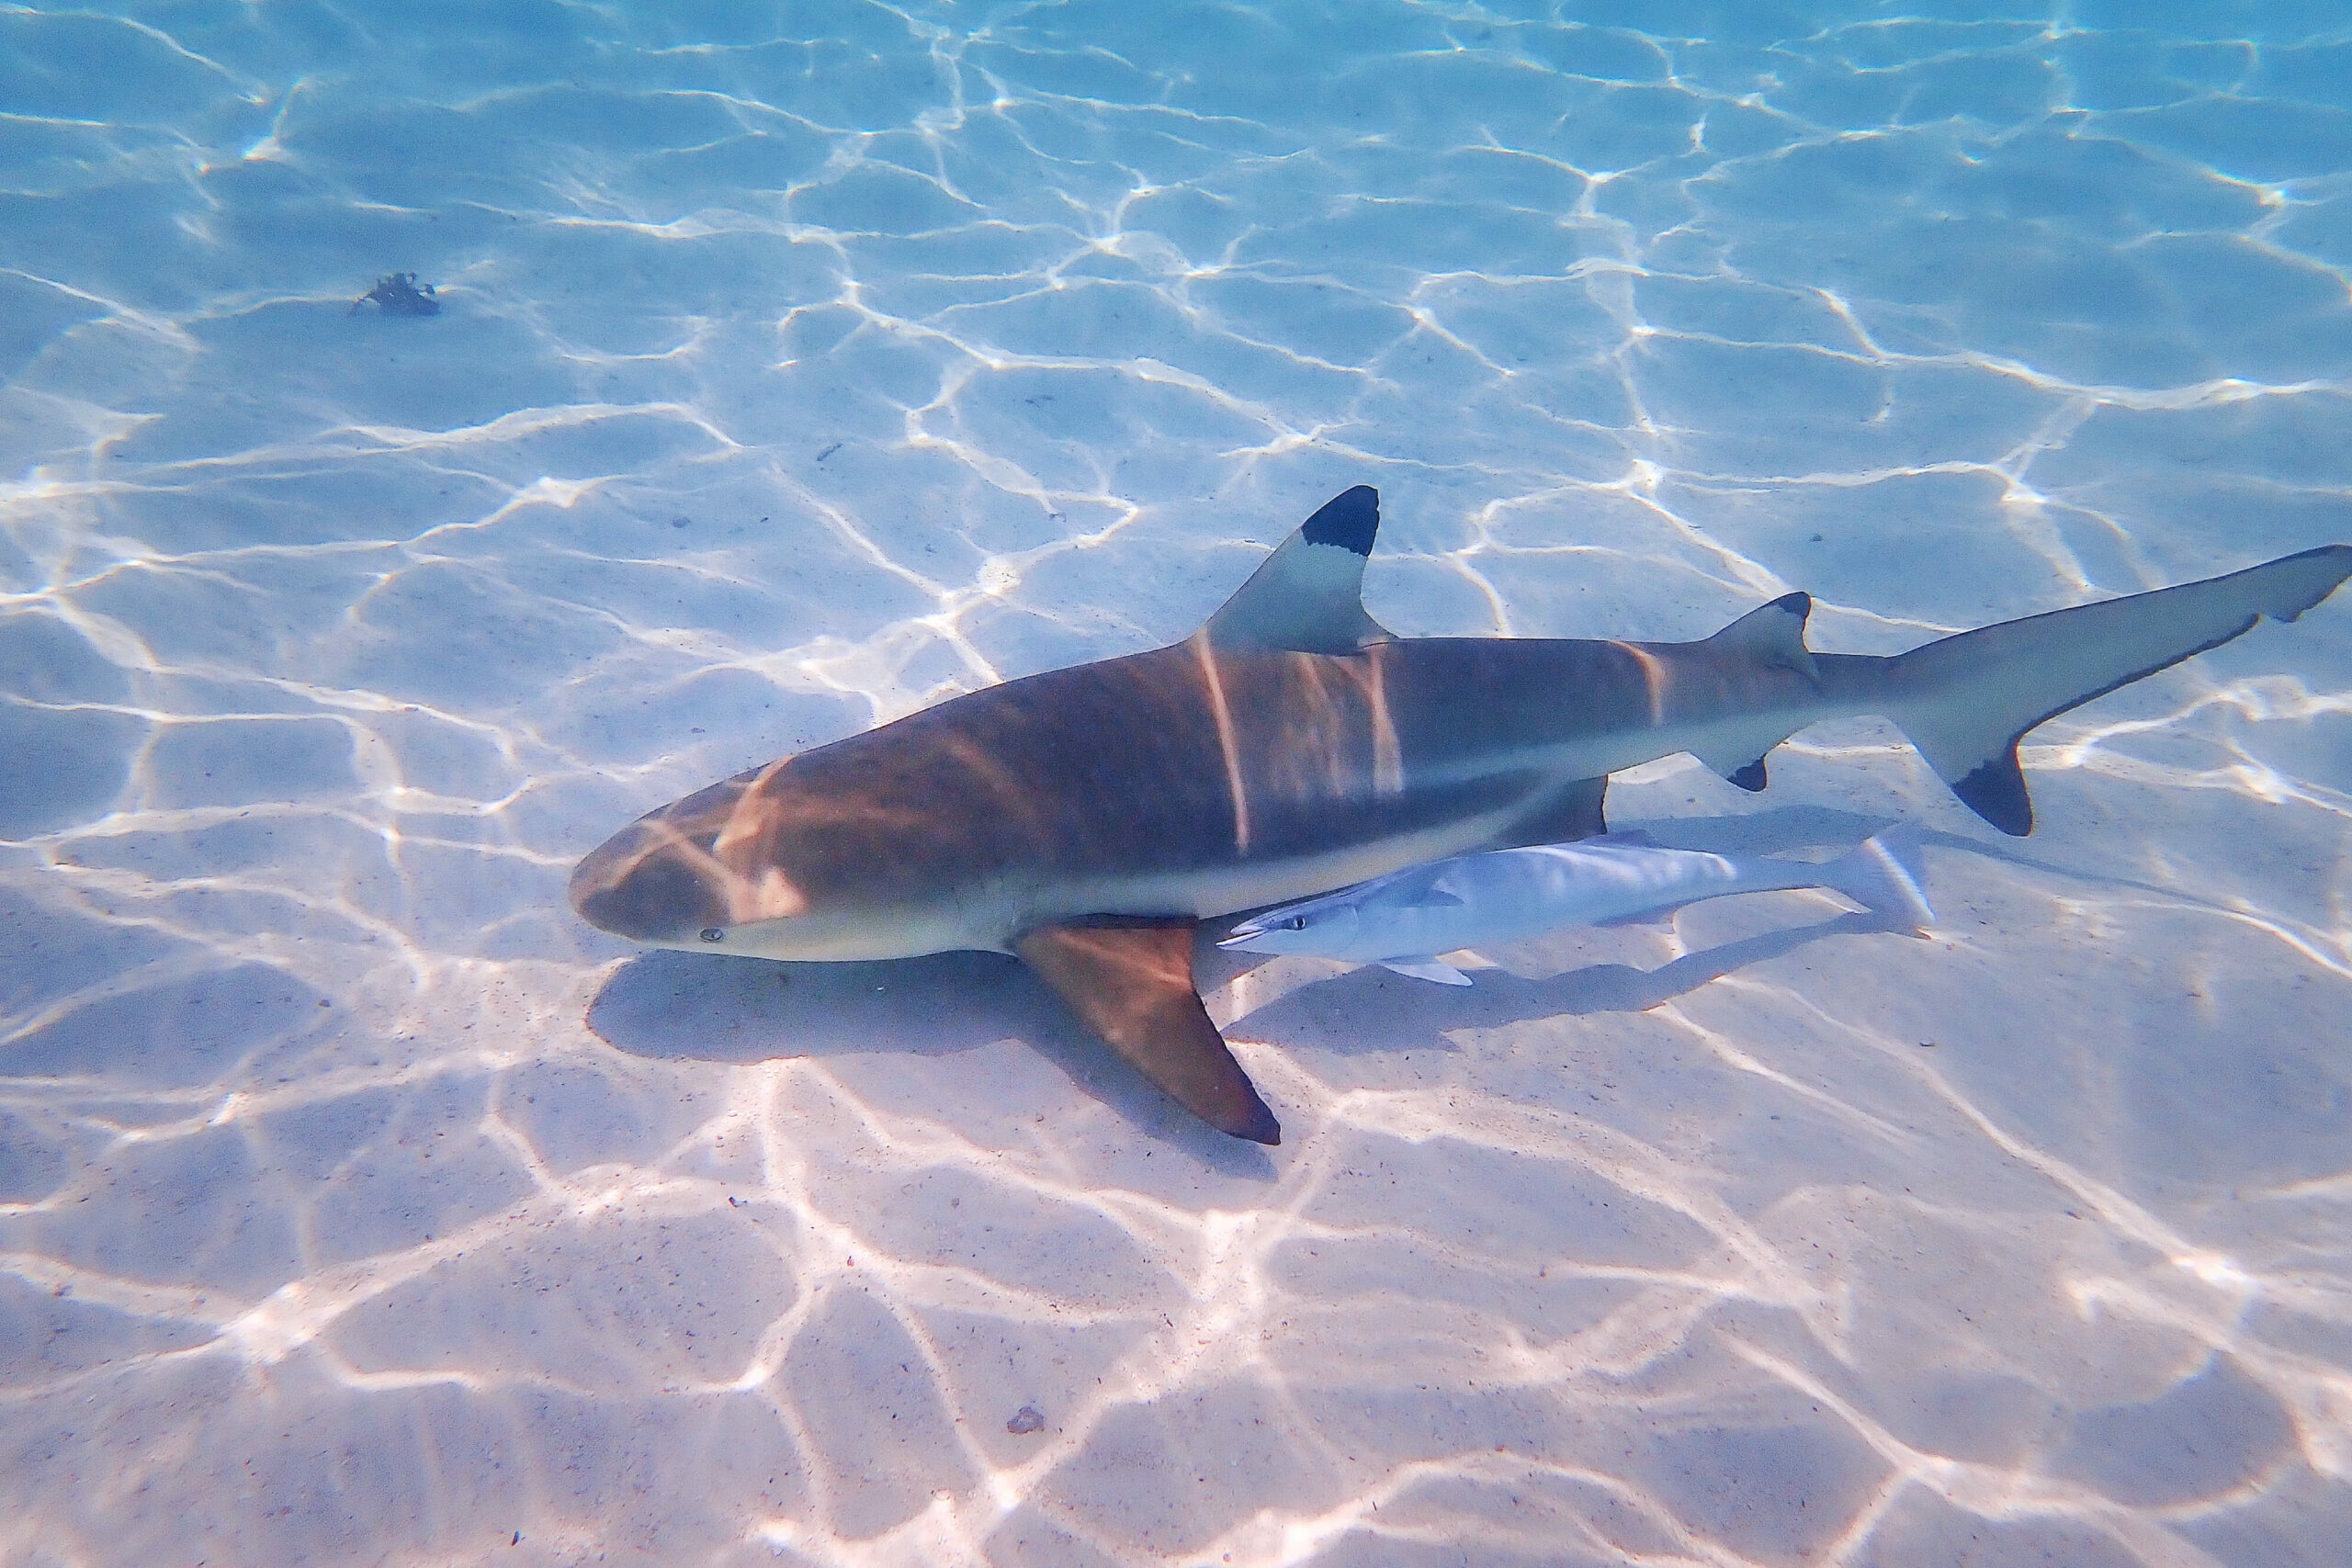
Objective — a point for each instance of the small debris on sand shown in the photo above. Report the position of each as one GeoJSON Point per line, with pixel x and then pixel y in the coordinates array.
{"type": "Point", "coordinates": [1025, 1420]}
{"type": "Point", "coordinates": [397, 293]}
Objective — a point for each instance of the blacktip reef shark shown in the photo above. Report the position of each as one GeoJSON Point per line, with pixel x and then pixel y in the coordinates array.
{"type": "Point", "coordinates": [1405, 920]}
{"type": "Point", "coordinates": [1087, 818]}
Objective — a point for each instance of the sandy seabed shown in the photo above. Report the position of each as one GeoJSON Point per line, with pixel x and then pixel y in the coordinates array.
{"type": "Point", "coordinates": [796, 366]}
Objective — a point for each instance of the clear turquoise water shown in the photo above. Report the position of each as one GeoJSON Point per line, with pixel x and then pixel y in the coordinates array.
{"type": "Point", "coordinates": [797, 365]}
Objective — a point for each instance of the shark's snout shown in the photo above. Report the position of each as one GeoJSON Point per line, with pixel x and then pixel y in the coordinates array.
{"type": "Point", "coordinates": [641, 884]}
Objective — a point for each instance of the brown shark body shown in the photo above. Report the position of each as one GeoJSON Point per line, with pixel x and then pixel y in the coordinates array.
{"type": "Point", "coordinates": [1086, 818]}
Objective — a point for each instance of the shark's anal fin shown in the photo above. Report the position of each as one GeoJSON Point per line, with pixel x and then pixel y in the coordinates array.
{"type": "Point", "coordinates": [1571, 813]}
{"type": "Point", "coordinates": [1308, 597]}
{"type": "Point", "coordinates": [1132, 984]}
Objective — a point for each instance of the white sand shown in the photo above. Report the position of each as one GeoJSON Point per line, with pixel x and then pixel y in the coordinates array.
{"type": "Point", "coordinates": [358, 1204]}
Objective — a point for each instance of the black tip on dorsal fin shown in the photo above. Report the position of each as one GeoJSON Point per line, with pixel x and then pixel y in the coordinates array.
{"type": "Point", "coordinates": [1308, 597]}
{"type": "Point", "coordinates": [1751, 777]}
{"type": "Point", "coordinates": [1350, 520]}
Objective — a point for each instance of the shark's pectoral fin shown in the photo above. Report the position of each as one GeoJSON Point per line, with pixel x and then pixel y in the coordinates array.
{"type": "Point", "coordinates": [1132, 984]}
{"type": "Point", "coordinates": [1308, 597]}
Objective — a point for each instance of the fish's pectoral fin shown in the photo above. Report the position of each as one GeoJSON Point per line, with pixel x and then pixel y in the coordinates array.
{"type": "Point", "coordinates": [1131, 982]}
{"type": "Point", "coordinates": [1308, 597]}
{"type": "Point", "coordinates": [1661, 916]}
{"type": "Point", "coordinates": [1426, 969]}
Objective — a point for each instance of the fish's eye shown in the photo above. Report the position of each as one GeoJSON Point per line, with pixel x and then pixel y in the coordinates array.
{"type": "Point", "coordinates": [1298, 922]}
{"type": "Point", "coordinates": [712, 933]}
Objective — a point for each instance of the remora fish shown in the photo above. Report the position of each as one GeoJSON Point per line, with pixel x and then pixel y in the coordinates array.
{"type": "Point", "coordinates": [1403, 920]}
{"type": "Point", "coordinates": [1087, 819]}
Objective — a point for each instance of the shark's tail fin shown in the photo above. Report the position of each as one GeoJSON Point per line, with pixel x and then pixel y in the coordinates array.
{"type": "Point", "coordinates": [1884, 874]}
{"type": "Point", "coordinates": [1968, 700]}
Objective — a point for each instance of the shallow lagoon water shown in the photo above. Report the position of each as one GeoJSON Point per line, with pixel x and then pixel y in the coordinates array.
{"type": "Point", "coordinates": [800, 365]}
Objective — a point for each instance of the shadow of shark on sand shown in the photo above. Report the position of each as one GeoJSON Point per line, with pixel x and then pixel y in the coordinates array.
{"type": "Point", "coordinates": [715, 1007]}
{"type": "Point", "coordinates": [676, 1006]}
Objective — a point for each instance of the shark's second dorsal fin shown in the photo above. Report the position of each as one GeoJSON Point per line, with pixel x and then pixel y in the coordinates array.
{"type": "Point", "coordinates": [1308, 597]}
{"type": "Point", "coordinates": [1773, 635]}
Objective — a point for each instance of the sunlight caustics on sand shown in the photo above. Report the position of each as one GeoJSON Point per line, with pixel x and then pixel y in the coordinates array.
{"type": "Point", "coordinates": [796, 366]}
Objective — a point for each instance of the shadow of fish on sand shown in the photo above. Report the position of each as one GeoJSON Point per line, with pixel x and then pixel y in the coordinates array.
{"type": "Point", "coordinates": [1368, 1009]}
{"type": "Point", "coordinates": [673, 1006]}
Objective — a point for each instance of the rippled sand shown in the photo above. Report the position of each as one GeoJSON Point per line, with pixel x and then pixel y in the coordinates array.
{"type": "Point", "coordinates": [358, 1204]}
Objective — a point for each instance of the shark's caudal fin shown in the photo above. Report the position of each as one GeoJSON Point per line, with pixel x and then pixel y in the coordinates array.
{"type": "Point", "coordinates": [1884, 875]}
{"type": "Point", "coordinates": [1308, 597]}
{"type": "Point", "coordinates": [1968, 700]}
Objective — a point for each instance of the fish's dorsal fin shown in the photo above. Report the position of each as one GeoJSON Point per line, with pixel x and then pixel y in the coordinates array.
{"type": "Point", "coordinates": [1773, 635]}
{"type": "Point", "coordinates": [1132, 984]}
{"type": "Point", "coordinates": [1308, 597]}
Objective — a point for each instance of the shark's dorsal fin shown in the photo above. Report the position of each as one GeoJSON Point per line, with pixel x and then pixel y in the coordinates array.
{"type": "Point", "coordinates": [1773, 635]}
{"type": "Point", "coordinates": [1132, 984]}
{"type": "Point", "coordinates": [1308, 597]}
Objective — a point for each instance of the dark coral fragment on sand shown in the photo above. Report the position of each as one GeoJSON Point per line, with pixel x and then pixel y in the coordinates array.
{"type": "Point", "coordinates": [397, 293]}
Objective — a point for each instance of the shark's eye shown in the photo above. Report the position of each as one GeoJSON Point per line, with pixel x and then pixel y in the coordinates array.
{"type": "Point", "coordinates": [712, 933]}
{"type": "Point", "coordinates": [1298, 922]}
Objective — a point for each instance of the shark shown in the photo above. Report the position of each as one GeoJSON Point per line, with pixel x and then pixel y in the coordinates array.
{"type": "Point", "coordinates": [1087, 818]}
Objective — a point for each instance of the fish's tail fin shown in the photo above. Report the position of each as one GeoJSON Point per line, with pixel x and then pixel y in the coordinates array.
{"type": "Point", "coordinates": [1884, 875]}
{"type": "Point", "coordinates": [1966, 701]}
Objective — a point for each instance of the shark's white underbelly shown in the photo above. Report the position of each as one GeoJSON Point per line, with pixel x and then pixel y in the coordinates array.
{"type": "Point", "coordinates": [989, 919]}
